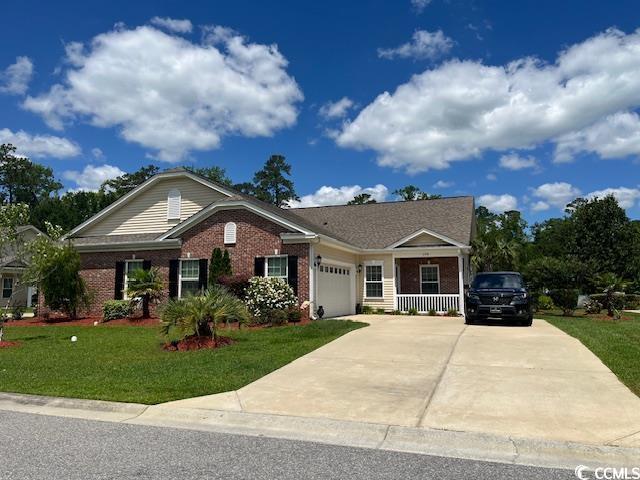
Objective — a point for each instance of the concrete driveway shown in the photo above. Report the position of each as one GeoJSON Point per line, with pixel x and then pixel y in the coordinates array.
{"type": "Point", "coordinates": [435, 372]}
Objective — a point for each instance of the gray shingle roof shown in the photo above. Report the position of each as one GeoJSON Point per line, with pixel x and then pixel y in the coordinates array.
{"type": "Point", "coordinates": [379, 225]}
{"type": "Point", "coordinates": [114, 239]}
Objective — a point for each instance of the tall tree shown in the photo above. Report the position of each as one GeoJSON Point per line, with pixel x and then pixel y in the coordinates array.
{"type": "Point", "coordinates": [272, 185]}
{"type": "Point", "coordinates": [362, 199]}
{"type": "Point", "coordinates": [22, 181]}
{"type": "Point", "coordinates": [411, 192]}
{"type": "Point", "coordinates": [215, 174]}
{"type": "Point", "coordinates": [119, 186]}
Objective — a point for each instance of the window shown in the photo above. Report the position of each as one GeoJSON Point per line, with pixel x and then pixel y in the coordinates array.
{"type": "Point", "coordinates": [130, 267]}
{"type": "Point", "coordinates": [189, 277]}
{"type": "Point", "coordinates": [429, 279]}
{"type": "Point", "coordinates": [173, 204]}
{"type": "Point", "coordinates": [230, 233]}
{"type": "Point", "coordinates": [373, 281]}
{"type": "Point", "coordinates": [276, 267]}
{"type": "Point", "coordinates": [7, 287]}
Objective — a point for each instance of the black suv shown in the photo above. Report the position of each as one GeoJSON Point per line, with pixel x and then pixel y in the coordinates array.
{"type": "Point", "coordinates": [498, 296]}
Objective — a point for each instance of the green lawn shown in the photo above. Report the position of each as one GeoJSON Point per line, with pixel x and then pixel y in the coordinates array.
{"type": "Point", "coordinates": [127, 364]}
{"type": "Point", "coordinates": [616, 343]}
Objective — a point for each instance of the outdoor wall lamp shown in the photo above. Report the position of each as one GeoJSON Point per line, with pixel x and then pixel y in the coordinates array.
{"type": "Point", "coordinates": [318, 260]}
{"type": "Point", "coordinates": [360, 268]}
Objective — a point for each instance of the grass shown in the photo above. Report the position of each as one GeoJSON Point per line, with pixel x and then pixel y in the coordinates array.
{"type": "Point", "coordinates": [615, 342]}
{"type": "Point", "coordinates": [127, 364]}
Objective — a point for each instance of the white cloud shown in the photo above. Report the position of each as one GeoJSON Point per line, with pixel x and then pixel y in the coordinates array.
{"type": "Point", "coordinates": [440, 116]}
{"type": "Point", "coordinates": [339, 195]}
{"type": "Point", "coordinates": [91, 177]}
{"type": "Point", "coordinates": [498, 203]}
{"type": "Point", "coordinates": [171, 95]}
{"type": "Point", "coordinates": [97, 153]}
{"type": "Point", "coordinates": [423, 44]}
{"type": "Point", "coordinates": [39, 146]}
{"type": "Point", "coordinates": [443, 184]}
{"type": "Point", "coordinates": [513, 161]}
{"type": "Point", "coordinates": [615, 136]}
{"type": "Point", "coordinates": [16, 77]}
{"type": "Point", "coordinates": [336, 109]}
{"type": "Point", "coordinates": [627, 197]}
{"type": "Point", "coordinates": [557, 194]}
{"type": "Point", "coordinates": [172, 24]}
{"type": "Point", "coordinates": [492, 176]}
{"type": "Point", "coordinates": [420, 5]}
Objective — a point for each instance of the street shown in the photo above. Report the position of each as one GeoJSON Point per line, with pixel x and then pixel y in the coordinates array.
{"type": "Point", "coordinates": [43, 447]}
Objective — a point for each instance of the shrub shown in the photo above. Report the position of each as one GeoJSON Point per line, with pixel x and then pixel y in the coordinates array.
{"type": "Point", "coordinates": [367, 310]}
{"type": "Point", "coordinates": [114, 309]}
{"type": "Point", "coordinates": [380, 311]}
{"type": "Point", "coordinates": [265, 294]}
{"type": "Point", "coordinates": [278, 317]}
{"type": "Point", "coordinates": [452, 312]}
{"type": "Point", "coordinates": [432, 312]}
{"type": "Point", "coordinates": [295, 315]}
{"type": "Point", "coordinates": [566, 299]}
{"type": "Point", "coordinates": [413, 311]}
{"type": "Point", "coordinates": [237, 285]}
{"type": "Point", "coordinates": [219, 266]}
{"type": "Point", "coordinates": [17, 312]}
{"type": "Point", "coordinates": [395, 312]}
{"type": "Point", "coordinates": [544, 302]}
{"type": "Point", "coordinates": [592, 306]}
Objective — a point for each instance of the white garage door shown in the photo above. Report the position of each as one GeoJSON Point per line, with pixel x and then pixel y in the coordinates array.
{"type": "Point", "coordinates": [334, 290]}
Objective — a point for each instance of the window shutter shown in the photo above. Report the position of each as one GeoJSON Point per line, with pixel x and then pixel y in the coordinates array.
{"type": "Point", "coordinates": [258, 269]}
{"type": "Point", "coordinates": [230, 233]}
{"type": "Point", "coordinates": [202, 274]}
{"type": "Point", "coordinates": [119, 286]}
{"type": "Point", "coordinates": [173, 278]}
{"type": "Point", "coordinates": [292, 273]}
{"type": "Point", "coordinates": [146, 264]}
{"type": "Point", "coordinates": [174, 199]}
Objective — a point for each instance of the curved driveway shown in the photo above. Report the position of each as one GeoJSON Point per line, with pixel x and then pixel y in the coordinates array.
{"type": "Point", "coordinates": [435, 372]}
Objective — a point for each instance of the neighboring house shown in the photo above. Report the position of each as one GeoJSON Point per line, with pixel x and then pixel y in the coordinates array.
{"type": "Point", "coordinates": [397, 255]}
{"type": "Point", "coordinates": [14, 293]}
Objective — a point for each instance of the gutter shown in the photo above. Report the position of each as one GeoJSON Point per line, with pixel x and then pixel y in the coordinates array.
{"type": "Point", "coordinates": [171, 244]}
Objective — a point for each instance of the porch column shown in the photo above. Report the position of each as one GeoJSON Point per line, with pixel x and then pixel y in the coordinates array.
{"type": "Point", "coordinates": [461, 282]}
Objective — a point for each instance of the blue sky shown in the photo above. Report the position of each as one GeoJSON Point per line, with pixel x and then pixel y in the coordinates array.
{"type": "Point", "coordinates": [521, 104]}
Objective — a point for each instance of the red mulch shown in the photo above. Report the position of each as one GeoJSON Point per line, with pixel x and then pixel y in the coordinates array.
{"type": "Point", "coordinates": [7, 344]}
{"type": "Point", "coordinates": [197, 343]}
{"type": "Point", "coordinates": [82, 322]}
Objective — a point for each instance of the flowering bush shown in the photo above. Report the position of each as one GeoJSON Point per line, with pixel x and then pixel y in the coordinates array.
{"type": "Point", "coordinates": [266, 294]}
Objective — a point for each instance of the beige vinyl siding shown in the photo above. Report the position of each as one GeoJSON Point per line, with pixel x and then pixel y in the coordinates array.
{"type": "Point", "coordinates": [327, 253]}
{"type": "Point", "coordinates": [388, 282]}
{"type": "Point", "coordinates": [423, 239]}
{"type": "Point", "coordinates": [147, 211]}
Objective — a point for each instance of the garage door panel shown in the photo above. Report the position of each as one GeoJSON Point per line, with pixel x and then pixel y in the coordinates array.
{"type": "Point", "coordinates": [334, 289]}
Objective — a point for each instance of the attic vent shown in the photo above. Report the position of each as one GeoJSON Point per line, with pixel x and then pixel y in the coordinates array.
{"type": "Point", "coordinates": [173, 204]}
{"type": "Point", "coordinates": [229, 233]}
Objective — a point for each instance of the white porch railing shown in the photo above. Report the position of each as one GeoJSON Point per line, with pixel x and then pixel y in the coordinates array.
{"type": "Point", "coordinates": [425, 303]}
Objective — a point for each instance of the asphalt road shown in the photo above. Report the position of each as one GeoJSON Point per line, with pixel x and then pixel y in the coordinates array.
{"type": "Point", "coordinates": [41, 447]}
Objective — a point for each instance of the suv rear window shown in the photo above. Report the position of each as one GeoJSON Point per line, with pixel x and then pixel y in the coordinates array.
{"type": "Point", "coordinates": [497, 281]}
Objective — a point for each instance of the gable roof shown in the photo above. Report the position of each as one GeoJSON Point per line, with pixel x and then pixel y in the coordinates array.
{"type": "Point", "coordinates": [382, 225]}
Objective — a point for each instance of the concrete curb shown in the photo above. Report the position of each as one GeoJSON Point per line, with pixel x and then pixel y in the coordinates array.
{"type": "Point", "coordinates": [445, 443]}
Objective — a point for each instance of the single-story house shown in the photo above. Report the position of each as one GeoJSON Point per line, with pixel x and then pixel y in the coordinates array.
{"type": "Point", "coordinates": [391, 256]}
{"type": "Point", "coordinates": [12, 265]}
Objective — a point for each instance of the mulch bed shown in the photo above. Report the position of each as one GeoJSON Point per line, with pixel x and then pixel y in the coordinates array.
{"type": "Point", "coordinates": [82, 322]}
{"type": "Point", "coordinates": [7, 344]}
{"type": "Point", "coordinates": [197, 343]}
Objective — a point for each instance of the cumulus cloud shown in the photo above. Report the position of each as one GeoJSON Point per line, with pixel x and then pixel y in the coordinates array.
{"type": "Point", "coordinates": [336, 109]}
{"type": "Point", "coordinates": [92, 176]}
{"type": "Point", "coordinates": [627, 197]}
{"type": "Point", "coordinates": [616, 136]}
{"type": "Point", "coordinates": [443, 184]}
{"type": "Point", "coordinates": [172, 95]}
{"type": "Point", "coordinates": [339, 195]}
{"type": "Point", "coordinates": [513, 161]}
{"type": "Point", "coordinates": [172, 24]}
{"type": "Point", "coordinates": [557, 194]}
{"type": "Point", "coordinates": [97, 153]}
{"type": "Point", "coordinates": [420, 5]}
{"type": "Point", "coordinates": [14, 80]}
{"type": "Point", "coordinates": [39, 146]}
{"type": "Point", "coordinates": [439, 116]}
{"type": "Point", "coordinates": [498, 203]}
{"type": "Point", "coordinates": [492, 177]}
{"type": "Point", "coordinates": [423, 44]}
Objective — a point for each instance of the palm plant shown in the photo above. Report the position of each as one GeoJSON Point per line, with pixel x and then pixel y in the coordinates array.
{"type": "Point", "coordinates": [612, 287]}
{"type": "Point", "coordinates": [200, 315]}
{"type": "Point", "coordinates": [145, 286]}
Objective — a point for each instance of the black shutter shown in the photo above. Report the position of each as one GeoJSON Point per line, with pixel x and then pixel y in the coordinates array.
{"type": "Point", "coordinates": [173, 278]}
{"type": "Point", "coordinates": [146, 264]}
{"type": "Point", "coordinates": [119, 287]}
{"type": "Point", "coordinates": [292, 273]}
{"type": "Point", "coordinates": [202, 274]}
{"type": "Point", "coordinates": [258, 267]}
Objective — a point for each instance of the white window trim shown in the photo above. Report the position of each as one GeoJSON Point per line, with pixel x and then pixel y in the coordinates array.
{"type": "Point", "coordinates": [13, 286]}
{"type": "Point", "coordinates": [126, 275]}
{"type": "Point", "coordinates": [373, 263]}
{"type": "Point", "coordinates": [188, 279]}
{"type": "Point", "coordinates": [230, 233]}
{"type": "Point", "coordinates": [429, 265]}
{"type": "Point", "coordinates": [286, 266]}
{"type": "Point", "coordinates": [176, 194]}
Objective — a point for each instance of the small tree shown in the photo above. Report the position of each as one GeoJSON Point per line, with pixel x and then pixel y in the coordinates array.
{"type": "Point", "coordinates": [219, 266]}
{"type": "Point", "coordinates": [145, 286]}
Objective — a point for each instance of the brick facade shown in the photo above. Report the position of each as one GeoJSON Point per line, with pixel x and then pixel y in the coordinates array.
{"type": "Point", "coordinates": [255, 237]}
{"type": "Point", "coordinates": [410, 273]}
